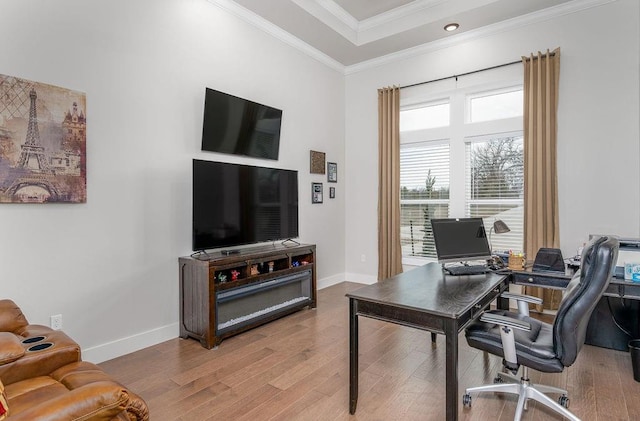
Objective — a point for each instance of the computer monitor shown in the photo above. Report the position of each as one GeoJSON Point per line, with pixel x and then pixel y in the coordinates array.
{"type": "Point", "coordinates": [460, 239]}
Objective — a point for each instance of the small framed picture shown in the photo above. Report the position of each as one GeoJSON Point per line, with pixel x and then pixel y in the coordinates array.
{"type": "Point", "coordinates": [332, 172]}
{"type": "Point", "coordinates": [316, 192]}
{"type": "Point", "coordinates": [317, 162]}
{"type": "Point", "coordinates": [332, 192]}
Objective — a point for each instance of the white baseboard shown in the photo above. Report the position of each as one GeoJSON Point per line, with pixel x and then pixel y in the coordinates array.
{"type": "Point", "coordinates": [347, 277]}
{"type": "Point", "coordinates": [331, 280]}
{"type": "Point", "coordinates": [117, 348]}
{"type": "Point", "coordinates": [361, 279]}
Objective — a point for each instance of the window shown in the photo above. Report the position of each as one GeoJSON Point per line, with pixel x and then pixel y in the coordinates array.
{"type": "Point", "coordinates": [461, 156]}
{"type": "Point", "coordinates": [425, 117]}
{"type": "Point", "coordinates": [424, 194]}
{"type": "Point", "coordinates": [495, 105]}
{"type": "Point", "coordinates": [494, 186]}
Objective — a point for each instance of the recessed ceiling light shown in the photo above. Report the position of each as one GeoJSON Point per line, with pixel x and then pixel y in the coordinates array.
{"type": "Point", "coordinates": [450, 27]}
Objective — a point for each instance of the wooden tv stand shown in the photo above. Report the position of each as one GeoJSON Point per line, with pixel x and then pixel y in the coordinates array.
{"type": "Point", "coordinates": [270, 282]}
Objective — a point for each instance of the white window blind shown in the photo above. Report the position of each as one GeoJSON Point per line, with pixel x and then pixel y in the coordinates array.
{"type": "Point", "coordinates": [424, 187]}
{"type": "Point", "coordinates": [494, 184]}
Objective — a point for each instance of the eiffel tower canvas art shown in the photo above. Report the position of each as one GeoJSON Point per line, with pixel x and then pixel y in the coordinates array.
{"type": "Point", "coordinates": [42, 143]}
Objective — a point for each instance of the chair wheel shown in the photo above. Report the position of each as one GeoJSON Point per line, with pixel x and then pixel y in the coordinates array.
{"type": "Point", "coordinates": [498, 380]}
{"type": "Point", "coordinates": [564, 401]}
{"type": "Point", "coordinates": [466, 400]}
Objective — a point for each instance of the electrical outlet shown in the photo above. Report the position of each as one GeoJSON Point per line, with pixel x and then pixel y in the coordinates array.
{"type": "Point", "coordinates": [56, 322]}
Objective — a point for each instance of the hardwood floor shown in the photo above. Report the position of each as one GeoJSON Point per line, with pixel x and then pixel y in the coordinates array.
{"type": "Point", "coordinates": [297, 368]}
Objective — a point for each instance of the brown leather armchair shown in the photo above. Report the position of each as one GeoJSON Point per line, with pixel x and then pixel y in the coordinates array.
{"type": "Point", "coordinates": [45, 379]}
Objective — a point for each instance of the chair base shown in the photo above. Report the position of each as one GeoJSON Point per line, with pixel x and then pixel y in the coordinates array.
{"type": "Point", "coordinates": [525, 391]}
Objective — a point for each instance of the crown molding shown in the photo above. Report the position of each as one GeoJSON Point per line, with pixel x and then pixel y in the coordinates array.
{"type": "Point", "coordinates": [332, 15]}
{"type": "Point", "coordinates": [496, 28]}
{"type": "Point", "coordinates": [277, 32]}
{"type": "Point", "coordinates": [337, 11]}
{"type": "Point", "coordinates": [400, 12]}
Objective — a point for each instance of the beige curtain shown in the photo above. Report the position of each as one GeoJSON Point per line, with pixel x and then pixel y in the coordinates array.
{"type": "Point", "coordinates": [541, 76]}
{"type": "Point", "coordinates": [389, 249]}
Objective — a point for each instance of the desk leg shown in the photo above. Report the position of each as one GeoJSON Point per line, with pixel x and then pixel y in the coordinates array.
{"type": "Point", "coordinates": [353, 357]}
{"type": "Point", "coordinates": [451, 332]}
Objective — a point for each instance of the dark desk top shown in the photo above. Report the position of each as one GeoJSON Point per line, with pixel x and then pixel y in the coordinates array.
{"type": "Point", "coordinates": [427, 289]}
{"type": "Point", "coordinates": [566, 277]}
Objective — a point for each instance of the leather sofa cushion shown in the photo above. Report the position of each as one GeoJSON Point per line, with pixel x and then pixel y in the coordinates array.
{"type": "Point", "coordinates": [46, 398]}
{"type": "Point", "coordinates": [10, 348]}
{"type": "Point", "coordinates": [80, 373]}
{"type": "Point", "coordinates": [32, 392]}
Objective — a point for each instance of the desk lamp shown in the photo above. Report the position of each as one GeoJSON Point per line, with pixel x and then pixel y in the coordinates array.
{"type": "Point", "coordinates": [500, 228]}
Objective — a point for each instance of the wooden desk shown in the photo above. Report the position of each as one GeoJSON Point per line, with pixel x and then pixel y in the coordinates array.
{"type": "Point", "coordinates": [426, 299]}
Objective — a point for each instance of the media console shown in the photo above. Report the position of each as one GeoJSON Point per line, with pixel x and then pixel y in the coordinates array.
{"type": "Point", "coordinates": [223, 295]}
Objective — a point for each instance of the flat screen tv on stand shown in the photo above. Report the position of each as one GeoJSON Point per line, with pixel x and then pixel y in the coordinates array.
{"type": "Point", "coordinates": [235, 205]}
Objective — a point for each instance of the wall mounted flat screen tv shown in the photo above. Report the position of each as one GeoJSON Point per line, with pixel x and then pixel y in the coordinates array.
{"type": "Point", "coordinates": [241, 204]}
{"type": "Point", "coordinates": [238, 126]}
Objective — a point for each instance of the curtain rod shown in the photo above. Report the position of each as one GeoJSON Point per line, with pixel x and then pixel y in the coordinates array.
{"type": "Point", "coordinates": [551, 54]}
{"type": "Point", "coordinates": [463, 74]}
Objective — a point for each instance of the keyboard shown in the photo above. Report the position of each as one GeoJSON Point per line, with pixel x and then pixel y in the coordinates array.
{"type": "Point", "coordinates": [467, 270]}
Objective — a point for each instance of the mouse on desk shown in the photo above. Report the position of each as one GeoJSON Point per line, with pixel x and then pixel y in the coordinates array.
{"type": "Point", "coordinates": [495, 263]}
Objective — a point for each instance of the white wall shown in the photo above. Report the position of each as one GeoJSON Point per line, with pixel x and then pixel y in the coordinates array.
{"type": "Point", "coordinates": [598, 124]}
{"type": "Point", "coordinates": [110, 266]}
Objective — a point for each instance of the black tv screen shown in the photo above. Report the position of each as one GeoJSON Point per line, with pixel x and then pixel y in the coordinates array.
{"type": "Point", "coordinates": [238, 126]}
{"type": "Point", "coordinates": [460, 239]}
{"type": "Point", "coordinates": [241, 204]}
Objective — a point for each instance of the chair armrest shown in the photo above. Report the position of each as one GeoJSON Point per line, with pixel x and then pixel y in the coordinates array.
{"type": "Point", "coordinates": [520, 297]}
{"type": "Point", "coordinates": [10, 348]}
{"type": "Point", "coordinates": [506, 326]}
{"type": "Point", "coordinates": [505, 321]}
{"type": "Point", "coordinates": [11, 317]}
{"type": "Point", "coordinates": [522, 301]}
{"type": "Point", "coordinates": [40, 363]}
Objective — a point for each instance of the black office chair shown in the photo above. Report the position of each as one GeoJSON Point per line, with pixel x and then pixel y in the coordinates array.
{"type": "Point", "coordinates": [522, 340]}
